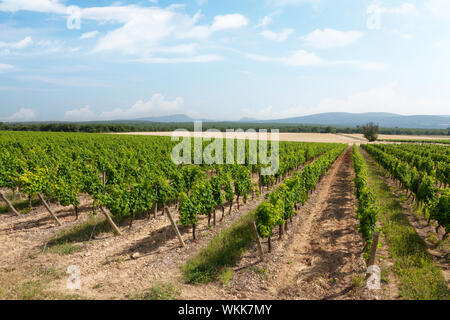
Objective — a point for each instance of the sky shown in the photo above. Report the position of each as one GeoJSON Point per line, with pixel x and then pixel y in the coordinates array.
{"type": "Point", "coordinates": [221, 59]}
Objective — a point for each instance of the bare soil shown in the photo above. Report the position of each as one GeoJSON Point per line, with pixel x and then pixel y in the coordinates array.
{"type": "Point", "coordinates": [319, 258]}
{"type": "Point", "coordinates": [111, 267]}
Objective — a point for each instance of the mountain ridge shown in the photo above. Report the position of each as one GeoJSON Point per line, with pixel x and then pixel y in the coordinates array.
{"type": "Point", "coordinates": [341, 119]}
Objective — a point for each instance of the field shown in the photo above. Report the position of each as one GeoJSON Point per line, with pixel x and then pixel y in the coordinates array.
{"type": "Point", "coordinates": [302, 137]}
{"type": "Point", "coordinates": [283, 136]}
{"type": "Point", "coordinates": [402, 137]}
{"type": "Point", "coordinates": [104, 204]}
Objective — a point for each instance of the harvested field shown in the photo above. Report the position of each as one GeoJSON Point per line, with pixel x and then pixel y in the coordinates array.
{"type": "Point", "coordinates": [293, 137]}
{"type": "Point", "coordinates": [296, 137]}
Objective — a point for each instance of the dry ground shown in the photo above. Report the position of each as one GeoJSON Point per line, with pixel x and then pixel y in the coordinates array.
{"type": "Point", "coordinates": [319, 258]}
{"type": "Point", "coordinates": [300, 137]}
{"type": "Point", "coordinates": [296, 137]}
{"type": "Point", "coordinates": [108, 264]}
{"type": "Point", "coordinates": [401, 137]}
{"type": "Point", "coordinates": [108, 270]}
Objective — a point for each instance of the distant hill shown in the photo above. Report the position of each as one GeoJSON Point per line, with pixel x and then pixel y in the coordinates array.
{"type": "Point", "coordinates": [335, 119]}
{"type": "Point", "coordinates": [339, 119]}
{"type": "Point", "coordinates": [385, 120]}
{"type": "Point", "coordinates": [247, 119]}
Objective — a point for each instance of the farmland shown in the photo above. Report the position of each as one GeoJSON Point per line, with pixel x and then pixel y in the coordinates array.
{"type": "Point", "coordinates": [105, 203]}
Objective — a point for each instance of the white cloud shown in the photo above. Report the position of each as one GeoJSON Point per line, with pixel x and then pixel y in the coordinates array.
{"type": "Point", "coordinates": [280, 3]}
{"type": "Point", "coordinates": [229, 21]}
{"type": "Point", "coordinates": [264, 22]}
{"type": "Point", "coordinates": [146, 30]}
{"type": "Point", "coordinates": [406, 9]}
{"type": "Point", "coordinates": [22, 44]}
{"type": "Point", "coordinates": [193, 59]}
{"type": "Point", "coordinates": [269, 113]}
{"type": "Point", "coordinates": [298, 58]}
{"type": "Point", "coordinates": [442, 43]}
{"type": "Point", "coordinates": [303, 58]}
{"type": "Point", "coordinates": [190, 48]}
{"type": "Point", "coordinates": [82, 114]}
{"type": "Point", "coordinates": [385, 98]}
{"type": "Point", "coordinates": [157, 106]}
{"type": "Point", "coordinates": [89, 35]}
{"type": "Point", "coordinates": [5, 67]}
{"type": "Point", "coordinates": [51, 6]}
{"type": "Point", "coordinates": [277, 36]}
{"type": "Point", "coordinates": [51, 46]}
{"type": "Point", "coordinates": [330, 38]}
{"type": "Point", "coordinates": [407, 36]}
{"type": "Point", "coordinates": [375, 13]}
{"type": "Point", "coordinates": [371, 66]}
{"type": "Point", "coordinates": [141, 31]}
{"type": "Point", "coordinates": [54, 46]}
{"type": "Point", "coordinates": [65, 81]}
{"type": "Point", "coordinates": [439, 8]}
{"type": "Point", "coordinates": [22, 115]}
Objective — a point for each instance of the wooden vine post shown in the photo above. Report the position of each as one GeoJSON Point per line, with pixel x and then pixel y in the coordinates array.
{"type": "Point", "coordinates": [259, 182]}
{"type": "Point", "coordinates": [258, 241]}
{"type": "Point", "coordinates": [110, 221]}
{"type": "Point", "coordinates": [48, 209]}
{"type": "Point", "coordinates": [104, 178]}
{"type": "Point", "coordinates": [9, 204]}
{"type": "Point", "coordinates": [174, 225]}
{"type": "Point", "coordinates": [373, 250]}
{"type": "Point", "coordinates": [373, 273]}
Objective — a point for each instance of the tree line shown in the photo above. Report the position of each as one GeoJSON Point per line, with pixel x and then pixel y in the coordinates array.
{"type": "Point", "coordinates": [116, 127]}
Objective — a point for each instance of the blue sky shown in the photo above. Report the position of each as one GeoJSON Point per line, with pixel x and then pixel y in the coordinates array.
{"type": "Point", "coordinates": [106, 60]}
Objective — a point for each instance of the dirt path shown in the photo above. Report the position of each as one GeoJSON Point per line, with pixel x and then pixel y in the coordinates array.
{"type": "Point", "coordinates": [319, 258]}
{"type": "Point", "coordinates": [325, 254]}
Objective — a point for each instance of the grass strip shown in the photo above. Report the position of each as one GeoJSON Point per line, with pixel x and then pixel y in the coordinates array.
{"type": "Point", "coordinates": [81, 232]}
{"type": "Point", "coordinates": [223, 251]}
{"type": "Point", "coordinates": [20, 205]}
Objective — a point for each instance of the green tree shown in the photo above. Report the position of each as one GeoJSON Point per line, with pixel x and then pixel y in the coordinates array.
{"type": "Point", "coordinates": [370, 131]}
